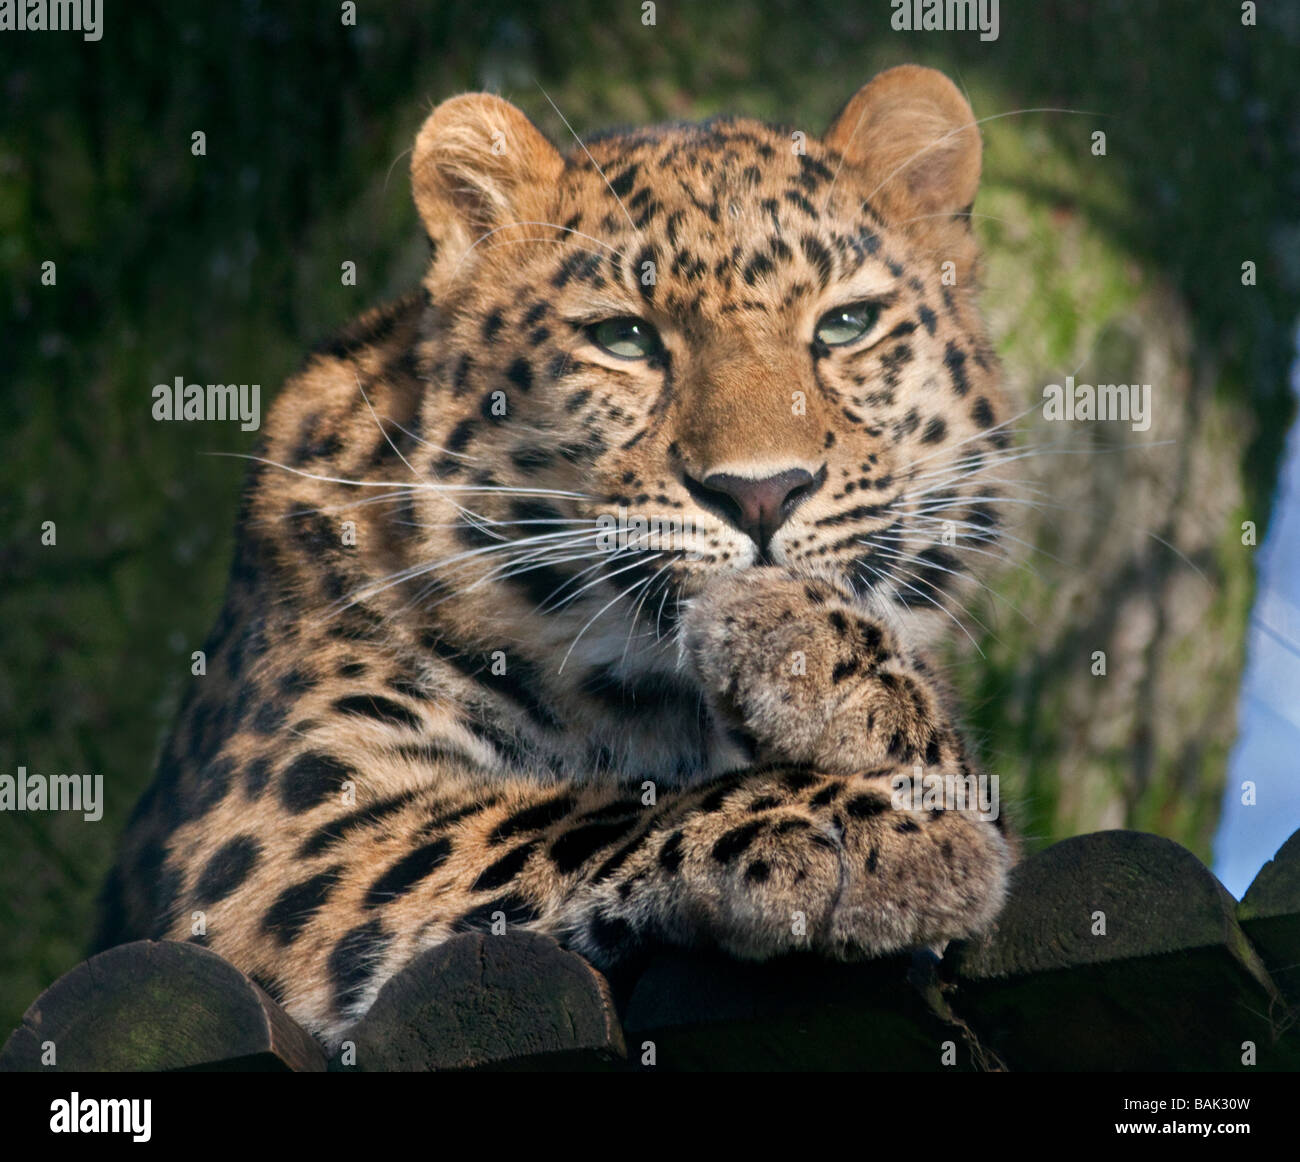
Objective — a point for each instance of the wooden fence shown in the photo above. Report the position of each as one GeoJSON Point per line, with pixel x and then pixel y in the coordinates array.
{"type": "Point", "coordinates": [1117, 951]}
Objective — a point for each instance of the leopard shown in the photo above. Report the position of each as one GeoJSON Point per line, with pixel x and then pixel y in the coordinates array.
{"type": "Point", "coordinates": [456, 686]}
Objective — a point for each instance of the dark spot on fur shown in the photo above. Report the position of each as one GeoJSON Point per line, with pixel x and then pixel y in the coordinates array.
{"type": "Point", "coordinates": [533, 818]}
{"type": "Point", "coordinates": [935, 431]}
{"type": "Point", "coordinates": [270, 717]}
{"type": "Point", "coordinates": [825, 796]}
{"type": "Point", "coordinates": [844, 670]}
{"type": "Point", "coordinates": [797, 780]}
{"type": "Point", "coordinates": [408, 871]}
{"type": "Point", "coordinates": [353, 961]}
{"type": "Point", "coordinates": [256, 775]}
{"type": "Point", "coordinates": [670, 855]}
{"type": "Point", "coordinates": [520, 373]}
{"type": "Point", "coordinates": [461, 435]}
{"type": "Point", "coordinates": [213, 784]}
{"type": "Point", "coordinates": [865, 806]}
{"type": "Point", "coordinates": [227, 869]}
{"type": "Point", "coordinates": [336, 830]}
{"type": "Point", "coordinates": [311, 779]}
{"type": "Point", "coordinates": [736, 841]}
{"type": "Point", "coordinates": [505, 869]}
{"type": "Point", "coordinates": [954, 359]}
{"type": "Point", "coordinates": [379, 708]}
{"type": "Point", "coordinates": [295, 906]}
{"type": "Point", "coordinates": [572, 849]}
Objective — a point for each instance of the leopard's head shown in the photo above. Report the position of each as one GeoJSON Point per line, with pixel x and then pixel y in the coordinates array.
{"type": "Point", "coordinates": [704, 347]}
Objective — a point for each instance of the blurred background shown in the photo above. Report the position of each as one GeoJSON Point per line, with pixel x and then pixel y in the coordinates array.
{"type": "Point", "coordinates": [1117, 267]}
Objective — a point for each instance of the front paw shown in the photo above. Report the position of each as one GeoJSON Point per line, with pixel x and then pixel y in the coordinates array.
{"type": "Point", "coordinates": [811, 677]}
{"type": "Point", "coordinates": [912, 878]}
{"type": "Point", "coordinates": [793, 860]}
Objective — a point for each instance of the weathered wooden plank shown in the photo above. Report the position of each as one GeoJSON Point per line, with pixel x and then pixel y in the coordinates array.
{"type": "Point", "coordinates": [481, 1002]}
{"type": "Point", "coordinates": [696, 1011]}
{"type": "Point", "coordinates": [1269, 913]}
{"type": "Point", "coordinates": [1120, 951]}
{"type": "Point", "coordinates": [1117, 951]}
{"type": "Point", "coordinates": [158, 1006]}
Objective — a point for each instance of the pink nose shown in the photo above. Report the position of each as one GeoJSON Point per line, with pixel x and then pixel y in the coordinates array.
{"type": "Point", "coordinates": [756, 507]}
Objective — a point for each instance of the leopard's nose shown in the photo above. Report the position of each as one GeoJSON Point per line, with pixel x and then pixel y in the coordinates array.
{"type": "Point", "coordinates": [756, 507]}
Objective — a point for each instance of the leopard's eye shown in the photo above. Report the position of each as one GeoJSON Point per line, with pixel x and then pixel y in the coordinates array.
{"type": "Point", "coordinates": [627, 337]}
{"type": "Point", "coordinates": [846, 324]}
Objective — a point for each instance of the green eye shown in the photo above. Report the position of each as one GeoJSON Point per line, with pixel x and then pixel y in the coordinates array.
{"type": "Point", "coordinates": [628, 338]}
{"type": "Point", "coordinates": [845, 324]}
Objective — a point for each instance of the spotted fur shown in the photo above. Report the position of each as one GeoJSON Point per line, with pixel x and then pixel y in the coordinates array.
{"type": "Point", "coordinates": [435, 704]}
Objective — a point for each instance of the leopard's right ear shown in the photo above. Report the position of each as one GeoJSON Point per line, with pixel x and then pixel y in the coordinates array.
{"type": "Point", "coordinates": [914, 141]}
{"type": "Point", "coordinates": [479, 166]}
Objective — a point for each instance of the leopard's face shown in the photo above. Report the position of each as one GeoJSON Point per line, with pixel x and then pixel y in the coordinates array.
{"type": "Point", "coordinates": [705, 348]}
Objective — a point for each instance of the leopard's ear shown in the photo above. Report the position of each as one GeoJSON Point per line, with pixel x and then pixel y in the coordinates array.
{"type": "Point", "coordinates": [912, 135]}
{"type": "Point", "coordinates": [479, 165]}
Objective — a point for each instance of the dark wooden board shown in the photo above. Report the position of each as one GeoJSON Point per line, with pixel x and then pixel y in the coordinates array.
{"type": "Point", "coordinates": [480, 1001]}
{"type": "Point", "coordinates": [1173, 984]}
{"type": "Point", "coordinates": [158, 1006]}
{"type": "Point", "coordinates": [705, 1011]}
{"type": "Point", "coordinates": [1269, 913]}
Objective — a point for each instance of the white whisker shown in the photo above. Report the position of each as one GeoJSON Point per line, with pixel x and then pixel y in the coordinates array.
{"type": "Point", "coordinates": [617, 598]}
{"type": "Point", "coordinates": [423, 485]}
{"type": "Point", "coordinates": [591, 159]}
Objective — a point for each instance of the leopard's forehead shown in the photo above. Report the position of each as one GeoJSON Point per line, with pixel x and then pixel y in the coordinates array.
{"type": "Point", "coordinates": [727, 215]}
{"type": "Point", "coordinates": [723, 155]}
{"type": "Point", "coordinates": [715, 170]}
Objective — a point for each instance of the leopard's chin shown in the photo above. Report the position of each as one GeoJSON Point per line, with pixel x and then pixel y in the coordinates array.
{"type": "Point", "coordinates": [691, 583]}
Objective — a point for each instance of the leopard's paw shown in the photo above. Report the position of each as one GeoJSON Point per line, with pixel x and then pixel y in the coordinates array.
{"type": "Point", "coordinates": [811, 677]}
{"type": "Point", "coordinates": [786, 859]}
{"type": "Point", "coordinates": [912, 878]}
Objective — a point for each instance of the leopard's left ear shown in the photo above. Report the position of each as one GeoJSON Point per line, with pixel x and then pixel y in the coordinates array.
{"type": "Point", "coordinates": [913, 136]}
{"type": "Point", "coordinates": [480, 167]}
